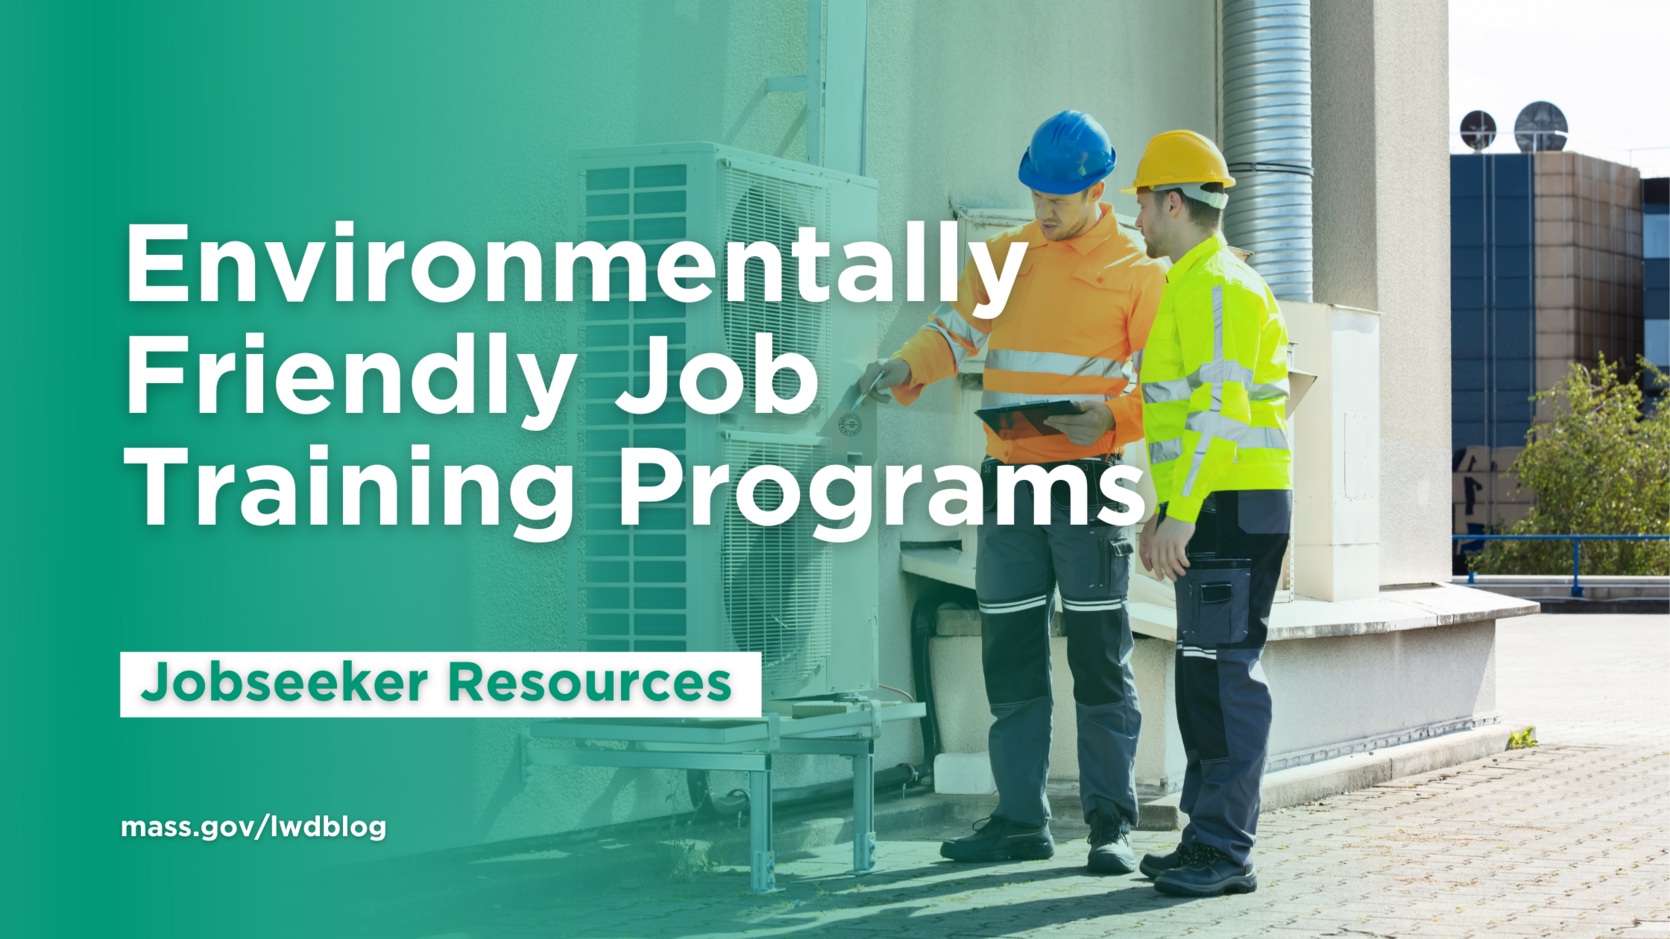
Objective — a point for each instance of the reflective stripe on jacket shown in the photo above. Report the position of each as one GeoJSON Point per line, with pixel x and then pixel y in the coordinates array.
{"type": "Point", "coordinates": [1214, 383]}
{"type": "Point", "coordinates": [1078, 310]}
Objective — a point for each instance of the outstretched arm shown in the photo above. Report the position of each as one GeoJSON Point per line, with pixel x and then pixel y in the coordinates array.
{"type": "Point", "coordinates": [879, 376]}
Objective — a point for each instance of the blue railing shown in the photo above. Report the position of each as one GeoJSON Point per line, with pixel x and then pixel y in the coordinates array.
{"type": "Point", "coordinates": [1576, 548]}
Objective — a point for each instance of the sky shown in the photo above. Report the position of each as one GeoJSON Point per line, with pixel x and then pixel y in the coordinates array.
{"type": "Point", "coordinates": [1605, 63]}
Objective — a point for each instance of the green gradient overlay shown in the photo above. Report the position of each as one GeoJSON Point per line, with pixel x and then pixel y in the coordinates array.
{"type": "Point", "coordinates": [255, 123]}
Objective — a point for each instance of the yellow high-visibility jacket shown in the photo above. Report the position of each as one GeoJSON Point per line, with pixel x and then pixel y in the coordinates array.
{"type": "Point", "coordinates": [1214, 383]}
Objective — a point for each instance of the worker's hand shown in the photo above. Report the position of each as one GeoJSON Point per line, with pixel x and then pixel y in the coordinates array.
{"type": "Point", "coordinates": [1165, 547]}
{"type": "Point", "coordinates": [1145, 542]}
{"type": "Point", "coordinates": [1086, 427]}
{"type": "Point", "coordinates": [884, 375]}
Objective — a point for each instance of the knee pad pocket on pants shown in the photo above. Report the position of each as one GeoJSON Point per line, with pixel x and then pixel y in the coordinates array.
{"type": "Point", "coordinates": [1200, 715]}
{"type": "Point", "coordinates": [1014, 656]}
{"type": "Point", "coordinates": [1104, 690]}
{"type": "Point", "coordinates": [1008, 685]}
{"type": "Point", "coordinates": [1098, 676]}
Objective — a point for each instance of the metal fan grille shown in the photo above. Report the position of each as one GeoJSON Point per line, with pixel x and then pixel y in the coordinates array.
{"type": "Point", "coordinates": [777, 581]}
{"type": "Point", "coordinates": [632, 583]}
{"type": "Point", "coordinates": [761, 208]}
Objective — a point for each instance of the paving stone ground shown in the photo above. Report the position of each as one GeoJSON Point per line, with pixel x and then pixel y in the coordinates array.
{"type": "Point", "coordinates": [1571, 838]}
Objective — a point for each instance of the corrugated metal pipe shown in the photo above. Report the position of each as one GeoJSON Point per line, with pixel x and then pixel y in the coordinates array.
{"type": "Point", "coordinates": [1267, 131]}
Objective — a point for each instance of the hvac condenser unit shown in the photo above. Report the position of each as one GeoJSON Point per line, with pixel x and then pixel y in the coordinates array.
{"type": "Point", "coordinates": [807, 606]}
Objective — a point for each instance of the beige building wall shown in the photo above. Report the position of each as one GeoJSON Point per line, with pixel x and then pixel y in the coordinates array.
{"type": "Point", "coordinates": [1589, 274]}
{"type": "Point", "coordinates": [1380, 73]}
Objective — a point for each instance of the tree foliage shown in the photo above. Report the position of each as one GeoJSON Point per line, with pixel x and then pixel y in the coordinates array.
{"type": "Point", "coordinates": [1598, 468]}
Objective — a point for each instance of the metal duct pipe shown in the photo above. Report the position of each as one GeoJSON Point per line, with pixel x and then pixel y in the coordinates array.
{"type": "Point", "coordinates": [1267, 138]}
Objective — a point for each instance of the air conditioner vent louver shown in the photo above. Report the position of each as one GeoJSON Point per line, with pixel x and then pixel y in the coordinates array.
{"type": "Point", "coordinates": [777, 584]}
{"type": "Point", "coordinates": [667, 584]}
{"type": "Point", "coordinates": [760, 208]}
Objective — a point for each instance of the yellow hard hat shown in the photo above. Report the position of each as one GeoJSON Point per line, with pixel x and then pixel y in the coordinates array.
{"type": "Point", "coordinates": [1180, 156]}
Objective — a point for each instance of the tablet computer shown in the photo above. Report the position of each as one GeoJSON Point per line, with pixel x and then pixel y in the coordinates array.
{"type": "Point", "coordinates": [1020, 421]}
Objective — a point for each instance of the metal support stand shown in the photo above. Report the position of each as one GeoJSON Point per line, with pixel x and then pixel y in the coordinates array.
{"type": "Point", "coordinates": [762, 868]}
{"type": "Point", "coordinates": [743, 745]}
{"type": "Point", "coordinates": [864, 811]}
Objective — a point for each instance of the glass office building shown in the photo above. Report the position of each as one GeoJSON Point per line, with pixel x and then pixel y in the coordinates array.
{"type": "Point", "coordinates": [1492, 299]}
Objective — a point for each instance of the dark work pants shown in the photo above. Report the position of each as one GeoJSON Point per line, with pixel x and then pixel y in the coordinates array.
{"type": "Point", "coordinates": [1017, 567]}
{"type": "Point", "coordinates": [1223, 701]}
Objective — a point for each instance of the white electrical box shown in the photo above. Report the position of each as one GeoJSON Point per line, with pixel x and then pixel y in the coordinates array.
{"type": "Point", "coordinates": [1336, 459]}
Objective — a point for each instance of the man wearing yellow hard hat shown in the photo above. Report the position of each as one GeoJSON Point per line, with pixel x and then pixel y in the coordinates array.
{"type": "Point", "coordinates": [1214, 393]}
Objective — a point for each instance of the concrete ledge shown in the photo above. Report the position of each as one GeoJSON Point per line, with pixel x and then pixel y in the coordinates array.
{"type": "Point", "coordinates": [1348, 773]}
{"type": "Point", "coordinates": [1380, 742]}
{"type": "Point", "coordinates": [947, 565]}
{"type": "Point", "coordinates": [1393, 609]}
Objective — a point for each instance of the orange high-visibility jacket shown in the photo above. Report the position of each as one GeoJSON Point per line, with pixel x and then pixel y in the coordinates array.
{"type": "Point", "coordinates": [1077, 312]}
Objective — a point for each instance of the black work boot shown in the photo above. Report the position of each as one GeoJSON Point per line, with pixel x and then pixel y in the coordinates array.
{"type": "Point", "coordinates": [1110, 845]}
{"type": "Point", "coordinates": [999, 839]}
{"type": "Point", "coordinates": [1153, 865]}
{"type": "Point", "coordinates": [1206, 872]}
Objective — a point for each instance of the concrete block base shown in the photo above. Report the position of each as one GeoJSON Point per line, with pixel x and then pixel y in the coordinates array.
{"type": "Point", "coordinates": [1407, 666]}
{"type": "Point", "coordinates": [1348, 773]}
{"type": "Point", "coordinates": [964, 774]}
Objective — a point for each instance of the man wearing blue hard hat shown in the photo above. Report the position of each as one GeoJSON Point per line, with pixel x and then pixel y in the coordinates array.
{"type": "Point", "coordinates": [1079, 309]}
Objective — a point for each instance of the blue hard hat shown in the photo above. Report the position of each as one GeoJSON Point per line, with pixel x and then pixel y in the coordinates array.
{"type": "Point", "coordinates": [1070, 152]}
